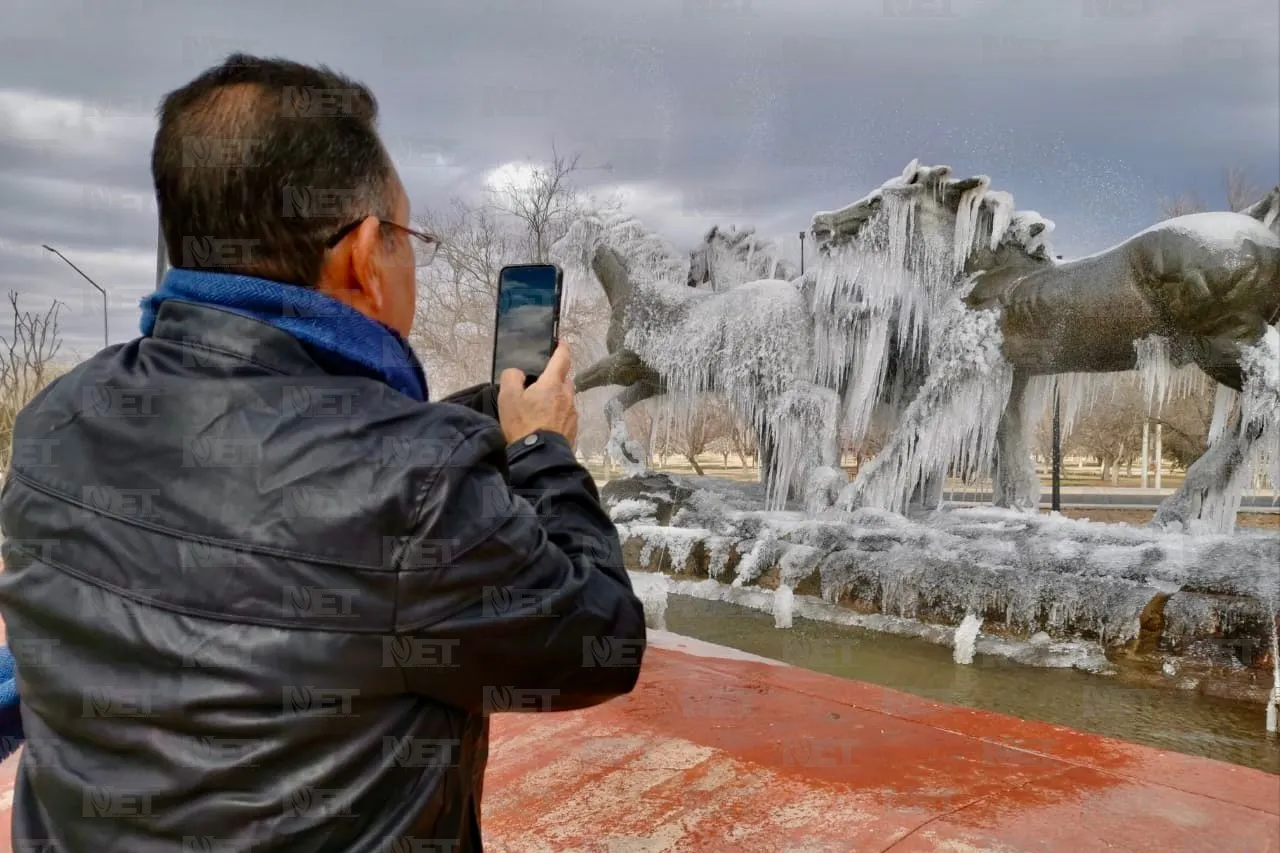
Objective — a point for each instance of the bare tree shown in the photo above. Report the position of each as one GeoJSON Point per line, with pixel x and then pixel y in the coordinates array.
{"type": "Point", "coordinates": [1239, 191]}
{"type": "Point", "coordinates": [1180, 206]}
{"type": "Point", "coordinates": [1112, 429]}
{"type": "Point", "coordinates": [696, 428]}
{"type": "Point", "coordinates": [1186, 423]}
{"type": "Point", "coordinates": [545, 202]}
{"type": "Point", "coordinates": [641, 422]}
{"type": "Point", "coordinates": [457, 294]}
{"type": "Point", "coordinates": [743, 441]}
{"type": "Point", "coordinates": [26, 365]}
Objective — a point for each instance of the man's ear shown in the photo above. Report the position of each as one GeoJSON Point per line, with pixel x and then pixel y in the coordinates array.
{"type": "Point", "coordinates": [368, 260]}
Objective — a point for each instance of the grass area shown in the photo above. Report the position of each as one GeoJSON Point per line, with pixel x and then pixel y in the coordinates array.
{"type": "Point", "coordinates": [1139, 517]}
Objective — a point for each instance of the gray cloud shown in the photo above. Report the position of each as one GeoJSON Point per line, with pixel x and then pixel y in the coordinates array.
{"type": "Point", "coordinates": [746, 111]}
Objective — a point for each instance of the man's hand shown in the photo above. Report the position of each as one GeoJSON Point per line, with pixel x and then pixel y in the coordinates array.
{"type": "Point", "coordinates": [546, 404]}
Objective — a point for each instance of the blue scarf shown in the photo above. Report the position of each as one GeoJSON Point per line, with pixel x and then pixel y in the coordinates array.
{"type": "Point", "coordinates": [341, 339]}
{"type": "Point", "coordinates": [11, 735]}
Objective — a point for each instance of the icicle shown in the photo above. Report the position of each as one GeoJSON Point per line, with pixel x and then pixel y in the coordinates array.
{"type": "Point", "coordinates": [954, 417]}
{"type": "Point", "coordinates": [966, 639]}
{"type": "Point", "coordinates": [967, 218]}
{"type": "Point", "coordinates": [1260, 405]}
{"type": "Point", "coordinates": [1224, 404]}
{"type": "Point", "coordinates": [1001, 216]}
{"type": "Point", "coordinates": [783, 605]}
{"type": "Point", "coordinates": [1273, 707]}
{"type": "Point", "coordinates": [1163, 380]}
{"type": "Point", "coordinates": [653, 598]}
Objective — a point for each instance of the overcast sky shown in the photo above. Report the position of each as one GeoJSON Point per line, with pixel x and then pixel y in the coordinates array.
{"type": "Point", "coordinates": [707, 111]}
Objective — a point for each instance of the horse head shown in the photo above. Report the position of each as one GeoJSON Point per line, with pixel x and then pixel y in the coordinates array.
{"type": "Point", "coordinates": [926, 198]}
{"type": "Point", "coordinates": [730, 256]}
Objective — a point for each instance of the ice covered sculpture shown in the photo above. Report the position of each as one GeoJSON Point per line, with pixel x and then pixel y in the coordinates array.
{"type": "Point", "coordinates": [751, 342]}
{"type": "Point", "coordinates": [730, 256]}
{"type": "Point", "coordinates": [937, 307]}
{"type": "Point", "coordinates": [1202, 289]}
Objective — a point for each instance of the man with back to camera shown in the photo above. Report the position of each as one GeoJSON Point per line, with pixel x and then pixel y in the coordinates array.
{"type": "Point", "coordinates": [262, 595]}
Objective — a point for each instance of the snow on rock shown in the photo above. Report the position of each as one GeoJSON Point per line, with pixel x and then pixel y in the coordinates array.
{"type": "Point", "coordinates": [763, 553]}
{"type": "Point", "coordinates": [633, 509]}
{"type": "Point", "coordinates": [675, 543]}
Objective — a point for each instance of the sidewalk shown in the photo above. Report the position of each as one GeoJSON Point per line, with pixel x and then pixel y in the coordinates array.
{"type": "Point", "coordinates": [719, 751]}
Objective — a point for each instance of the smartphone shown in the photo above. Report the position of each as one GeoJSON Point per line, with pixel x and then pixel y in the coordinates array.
{"type": "Point", "coordinates": [528, 322]}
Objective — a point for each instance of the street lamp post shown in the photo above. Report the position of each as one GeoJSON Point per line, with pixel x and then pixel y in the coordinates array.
{"type": "Point", "coordinates": [1057, 448]}
{"type": "Point", "coordinates": [98, 287]}
{"type": "Point", "coordinates": [801, 253]}
{"type": "Point", "coordinates": [162, 257]}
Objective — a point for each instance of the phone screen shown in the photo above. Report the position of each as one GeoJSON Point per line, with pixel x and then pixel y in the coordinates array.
{"type": "Point", "coordinates": [528, 311]}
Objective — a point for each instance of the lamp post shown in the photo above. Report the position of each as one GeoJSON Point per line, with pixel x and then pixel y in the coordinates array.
{"type": "Point", "coordinates": [1057, 448]}
{"type": "Point", "coordinates": [98, 287]}
{"type": "Point", "coordinates": [162, 258]}
{"type": "Point", "coordinates": [801, 253]}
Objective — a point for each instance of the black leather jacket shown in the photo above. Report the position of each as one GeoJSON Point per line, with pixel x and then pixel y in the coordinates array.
{"type": "Point", "coordinates": [257, 607]}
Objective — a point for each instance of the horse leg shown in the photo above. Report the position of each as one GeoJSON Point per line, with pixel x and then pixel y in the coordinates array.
{"type": "Point", "coordinates": [626, 451]}
{"type": "Point", "coordinates": [1017, 485]}
{"type": "Point", "coordinates": [1213, 477]}
{"type": "Point", "coordinates": [622, 367]}
{"type": "Point", "coordinates": [1210, 480]}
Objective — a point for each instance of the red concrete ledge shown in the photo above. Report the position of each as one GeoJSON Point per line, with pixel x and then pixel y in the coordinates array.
{"type": "Point", "coordinates": [720, 751]}
{"type": "Point", "coordinates": [729, 755]}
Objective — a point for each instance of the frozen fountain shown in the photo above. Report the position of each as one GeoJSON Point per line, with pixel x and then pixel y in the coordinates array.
{"type": "Point", "coordinates": [938, 313]}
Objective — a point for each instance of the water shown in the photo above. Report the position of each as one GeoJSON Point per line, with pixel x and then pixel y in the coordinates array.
{"type": "Point", "coordinates": [1165, 719]}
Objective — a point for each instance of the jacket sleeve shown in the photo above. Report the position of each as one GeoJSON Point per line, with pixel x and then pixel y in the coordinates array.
{"type": "Point", "coordinates": [514, 597]}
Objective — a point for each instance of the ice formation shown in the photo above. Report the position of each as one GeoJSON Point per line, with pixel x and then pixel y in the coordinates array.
{"type": "Point", "coordinates": [645, 251]}
{"type": "Point", "coordinates": [966, 639]}
{"type": "Point", "coordinates": [1074, 580]}
{"type": "Point", "coordinates": [652, 590]}
{"type": "Point", "coordinates": [1164, 380]}
{"type": "Point", "coordinates": [627, 453]}
{"type": "Point", "coordinates": [729, 256]}
{"type": "Point", "coordinates": [783, 604]}
{"type": "Point", "coordinates": [953, 418]}
{"type": "Point", "coordinates": [1243, 453]}
{"type": "Point", "coordinates": [842, 347]}
{"type": "Point", "coordinates": [935, 307]}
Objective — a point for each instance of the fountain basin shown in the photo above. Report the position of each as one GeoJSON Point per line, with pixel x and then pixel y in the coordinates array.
{"type": "Point", "coordinates": [1147, 599]}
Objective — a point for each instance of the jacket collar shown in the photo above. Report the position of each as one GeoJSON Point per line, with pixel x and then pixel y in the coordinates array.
{"type": "Point", "coordinates": [204, 327]}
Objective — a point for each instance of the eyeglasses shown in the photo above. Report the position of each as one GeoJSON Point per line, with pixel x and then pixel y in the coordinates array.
{"type": "Point", "coordinates": [424, 251]}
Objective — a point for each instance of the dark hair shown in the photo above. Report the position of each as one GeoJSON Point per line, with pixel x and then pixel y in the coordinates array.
{"type": "Point", "coordinates": [257, 162]}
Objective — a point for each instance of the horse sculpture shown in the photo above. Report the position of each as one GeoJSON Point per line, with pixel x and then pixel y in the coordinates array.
{"type": "Point", "coordinates": [924, 257]}
{"type": "Point", "coordinates": [727, 257]}
{"type": "Point", "coordinates": [758, 368]}
{"type": "Point", "coordinates": [1207, 285]}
